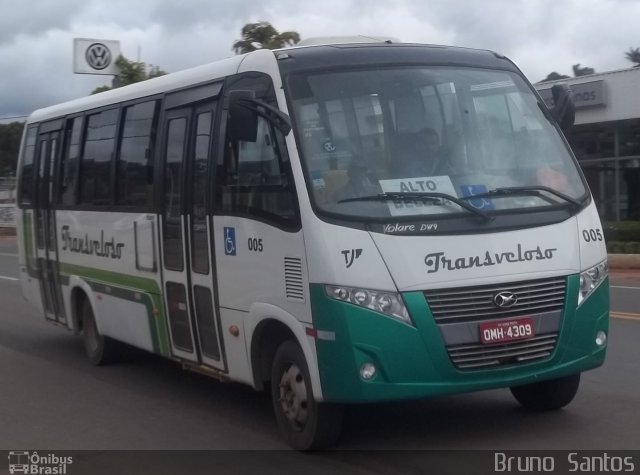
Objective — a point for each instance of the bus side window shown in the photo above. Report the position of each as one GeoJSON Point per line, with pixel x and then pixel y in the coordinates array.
{"type": "Point", "coordinates": [256, 179]}
{"type": "Point", "coordinates": [69, 162]}
{"type": "Point", "coordinates": [27, 172]}
{"type": "Point", "coordinates": [134, 169]}
{"type": "Point", "coordinates": [98, 150]}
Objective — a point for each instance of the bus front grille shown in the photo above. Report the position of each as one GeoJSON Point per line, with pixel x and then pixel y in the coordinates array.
{"type": "Point", "coordinates": [478, 356]}
{"type": "Point", "coordinates": [468, 304]}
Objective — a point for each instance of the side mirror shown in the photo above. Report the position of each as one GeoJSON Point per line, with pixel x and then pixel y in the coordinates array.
{"type": "Point", "coordinates": [564, 111]}
{"type": "Point", "coordinates": [243, 118]}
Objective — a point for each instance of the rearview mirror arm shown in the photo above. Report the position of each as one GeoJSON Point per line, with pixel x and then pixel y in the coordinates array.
{"type": "Point", "coordinates": [272, 114]}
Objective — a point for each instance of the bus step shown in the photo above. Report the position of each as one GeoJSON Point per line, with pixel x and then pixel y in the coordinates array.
{"type": "Point", "coordinates": [206, 371]}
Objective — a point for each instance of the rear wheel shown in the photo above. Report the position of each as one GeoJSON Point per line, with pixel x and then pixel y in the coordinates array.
{"type": "Point", "coordinates": [100, 349]}
{"type": "Point", "coordinates": [547, 395]}
{"type": "Point", "coordinates": [305, 423]}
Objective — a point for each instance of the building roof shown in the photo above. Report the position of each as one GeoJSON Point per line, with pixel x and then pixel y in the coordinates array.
{"type": "Point", "coordinates": [620, 91]}
{"type": "Point", "coordinates": [587, 77]}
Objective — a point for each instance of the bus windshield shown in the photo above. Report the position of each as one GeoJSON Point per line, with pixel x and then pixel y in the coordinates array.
{"type": "Point", "coordinates": [393, 141]}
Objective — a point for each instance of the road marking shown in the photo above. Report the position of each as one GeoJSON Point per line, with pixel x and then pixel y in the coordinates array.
{"type": "Point", "coordinates": [625, 315]}
{"type": "Point", "coordinates": [623, 287]}
{"type": "Point", "coordinates": [8, 278]}
{"type": "Point", "coordinates": [4, 254]}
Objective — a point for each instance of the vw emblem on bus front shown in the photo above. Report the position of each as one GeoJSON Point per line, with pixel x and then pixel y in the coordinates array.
{"type": "Point", "coordinates": [98, 56]}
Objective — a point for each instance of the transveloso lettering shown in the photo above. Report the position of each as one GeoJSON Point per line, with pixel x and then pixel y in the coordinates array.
{"type": "Point", "coordinates": [436, 261]}
{"type": "Point", "coordinates": [101, 248]}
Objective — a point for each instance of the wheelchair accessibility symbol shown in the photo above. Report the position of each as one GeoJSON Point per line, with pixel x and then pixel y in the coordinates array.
{"type": "Point", "coordinates": [477, 203]}
{"type": "Point", "coordinates": [230, 241]}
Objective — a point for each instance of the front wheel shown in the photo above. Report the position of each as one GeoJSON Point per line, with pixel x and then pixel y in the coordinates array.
{"type": "Point", "coordinates": [547, 395]}
{"type": "Point", "coordinates": [305, 423]}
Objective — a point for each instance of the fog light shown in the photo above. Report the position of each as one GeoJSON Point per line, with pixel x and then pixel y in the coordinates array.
{"type": "Point", "coordinates": [601, 339]}
{"type": "Point", "coordinates": [367, 371]}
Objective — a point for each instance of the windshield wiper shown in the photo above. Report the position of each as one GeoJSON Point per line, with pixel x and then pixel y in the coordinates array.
{"type": "Point", "coordinates": [526, 190]}
{"type": "Point", "coordinates": [431, 196]}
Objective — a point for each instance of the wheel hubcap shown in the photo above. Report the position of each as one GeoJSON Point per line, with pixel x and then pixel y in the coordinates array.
{"type": "Point", "coordinates": [293, 396]}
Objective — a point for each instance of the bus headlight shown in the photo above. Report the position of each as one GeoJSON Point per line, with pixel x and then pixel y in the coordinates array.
{"type": "Point", "coordinates": [591, 279]}
{"type": "Point", "coordinates": [387, 303]}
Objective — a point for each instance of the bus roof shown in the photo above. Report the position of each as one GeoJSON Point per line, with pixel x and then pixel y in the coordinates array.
{"type": "Point", "coordinates": [177, 80]}
{"type": "Point", "coordinates": [370, 53]}
{"type": "Point", "coordinates": [302, 58]}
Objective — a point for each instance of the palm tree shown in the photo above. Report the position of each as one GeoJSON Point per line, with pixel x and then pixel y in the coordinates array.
{"type": "Point", "coordinates": [633, 55]}
{"type": "Point", "coordinates": [554, 76]}
{"type": "Point", "coordinates": [131, 72]}
{"type": "Point", "coordinates": [263, 35]}
{"type": "Point", "coordinates": [582, 71]}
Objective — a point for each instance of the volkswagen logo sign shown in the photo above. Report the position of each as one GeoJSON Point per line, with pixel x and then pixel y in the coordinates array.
{"type": "Point", "coordinates": [98, 56]}
{"type": "Point", "coordinates": [505, 299]}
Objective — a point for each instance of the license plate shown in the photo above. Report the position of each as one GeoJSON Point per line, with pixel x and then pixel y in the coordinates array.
{"type": "Point", "coordinates": [506, 330]}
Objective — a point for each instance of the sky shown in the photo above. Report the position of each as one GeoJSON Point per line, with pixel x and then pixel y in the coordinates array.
{"type": "Point", "coordinates": [540, 36]}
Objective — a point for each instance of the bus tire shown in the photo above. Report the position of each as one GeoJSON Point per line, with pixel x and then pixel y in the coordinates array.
{"type": "Point", "coordinates": [305, 423]}
{"type": "Point", "coordinates": [547, 395]}
{"type": "Point", "coordinates": [100, 349]}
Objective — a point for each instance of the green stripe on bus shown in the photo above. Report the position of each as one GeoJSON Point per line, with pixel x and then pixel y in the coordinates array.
{"type": "Point", "coordinates": [32, 270]}
{"type": "Point", "coordinates": [131, 296]}
{"type": "Point", "coordinates": [161, 325]}
{"type": "Point", "coordinates": [121, 280]}
{"type": "Point", "coordinates": [127, 286]}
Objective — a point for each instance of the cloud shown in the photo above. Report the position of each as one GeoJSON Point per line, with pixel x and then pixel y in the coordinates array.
{"type": "Point", "coordinates": [24, 19]}
{"type": "Point", "coordinates": [539, 35]}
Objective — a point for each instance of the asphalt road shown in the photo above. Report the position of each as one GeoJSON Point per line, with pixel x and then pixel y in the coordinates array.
{"type": "Point", "coordinates": [52, 397]}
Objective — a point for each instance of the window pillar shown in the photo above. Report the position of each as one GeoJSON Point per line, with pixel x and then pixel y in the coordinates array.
{"type": "Point", "coordinates": [616, 169]}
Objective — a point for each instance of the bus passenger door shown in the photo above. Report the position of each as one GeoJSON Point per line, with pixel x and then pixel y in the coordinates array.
{"type": "Point", "coordinates": [185, 236]}
{"type": "Point", "coordinates": [45, 226]}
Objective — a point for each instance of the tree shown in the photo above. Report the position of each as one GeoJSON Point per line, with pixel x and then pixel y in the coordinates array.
{"type": "Point", "coordinates": [10, 136]}
{"type": "Point", "coordinates": [554, 76]}
{"type": "Point", "coordinates": [130, 73]}
{"type": "Point", "coordinates": [633, 55]}
{"type": "Point", "coordinates": [582, 71]}
{"type": "Point", "coordinates": [263, 35]}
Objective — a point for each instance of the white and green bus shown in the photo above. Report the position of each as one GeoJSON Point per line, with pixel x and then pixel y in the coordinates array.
{"type": "Point", "coordinates": [337, 224]}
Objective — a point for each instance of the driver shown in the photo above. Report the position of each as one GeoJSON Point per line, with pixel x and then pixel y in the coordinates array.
{"type": "Point", "coordinates": [360, 182]}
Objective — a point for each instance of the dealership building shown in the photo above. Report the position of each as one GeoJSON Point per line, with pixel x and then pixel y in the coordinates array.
{"type": "Point", "coordinates": [606, 138]}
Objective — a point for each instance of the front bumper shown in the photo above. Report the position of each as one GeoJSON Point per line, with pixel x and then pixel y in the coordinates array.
{"type": "Point", "coordinates": [413, 362]}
